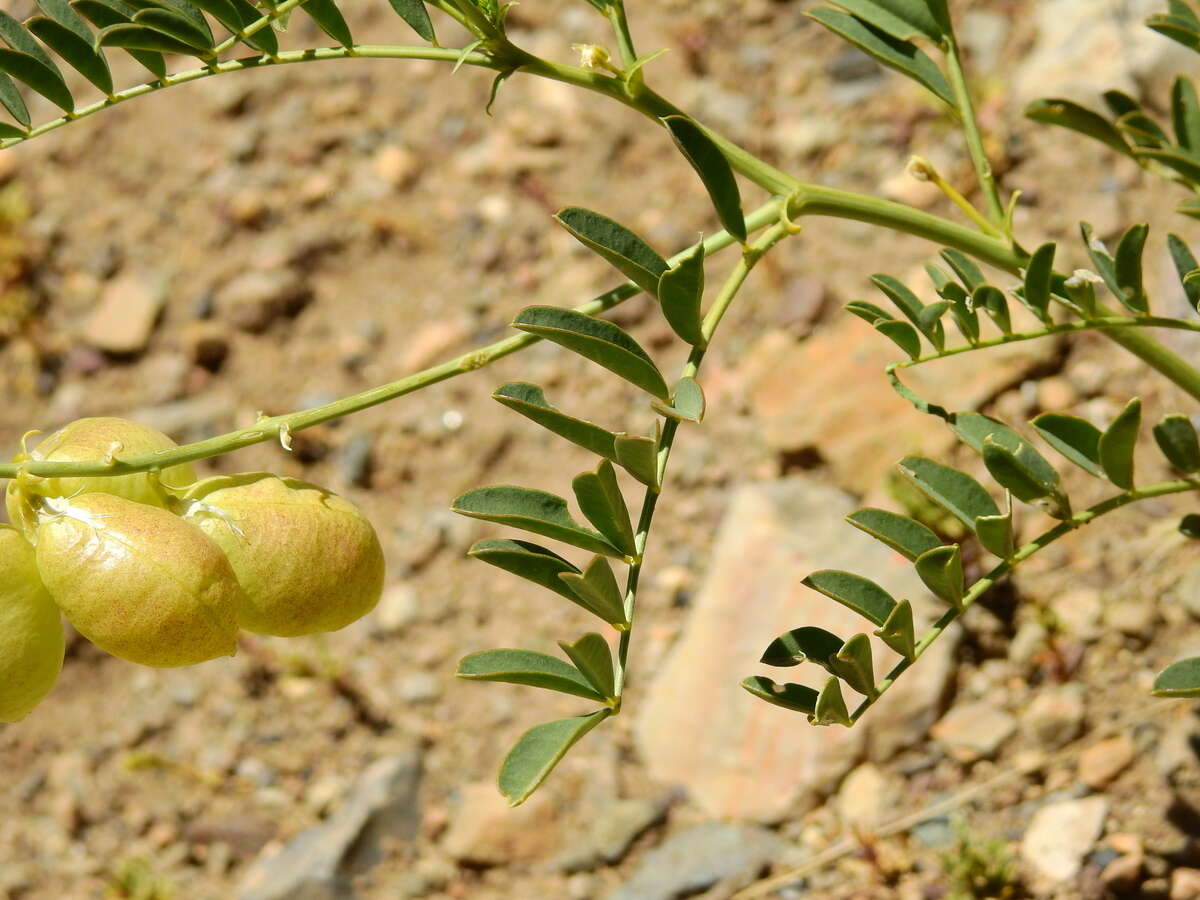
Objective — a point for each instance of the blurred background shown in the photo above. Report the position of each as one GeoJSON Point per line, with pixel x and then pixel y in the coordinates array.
{"type": "Point", "coordinates": [272, 240]}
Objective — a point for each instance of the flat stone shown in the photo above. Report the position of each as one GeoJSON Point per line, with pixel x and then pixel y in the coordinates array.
{"type": "Point", "coordinates": [766, 761]}
{"type": "Point", "coordinates": [699, 858]}
{"type": "Point", "coordinates": [253, 300]}
{"type": "Point", "coordinates": [1123, 874]}
{"type": "Point", "coordinates": [485, 831]}
{"type": "Point", "coordinates": [125, 315]}
{"type": "Point", "coordinates": [974, 731]}
{"type": "Point", "coordinates": [1100, 764]}
{"type": "Point", "coordinates": [1056, 715]}
{"type": "Point", "coordinates": [319, 863]}
{"type": "Point", "coordinates": [800, 394]}
{"type": "Point", "coordinates": [1185, 884]}
{"type": "Point", "coordinates": [864, 798]}
{"type": "Point", "coordinates": [611, 832]}
{"type": "Point", "coordinates": [1061, 835]}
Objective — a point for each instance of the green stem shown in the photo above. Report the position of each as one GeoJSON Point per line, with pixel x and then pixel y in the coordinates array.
{"type": "Point", "coordinates": [970, 125]}
{"type": "Point", "coordinates": [620, 25]}
{"type": "Point", "coordinates": [984, 584]}
{"type": "Point", "coordinates": [729, 290]}
{"type": "Point", "coordinates": [270, 428]}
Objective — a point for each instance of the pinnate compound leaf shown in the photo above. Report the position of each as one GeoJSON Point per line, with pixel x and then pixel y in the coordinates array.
{"type": "Point", "coordinates": [597, 591]}
{"type": "Point", "coordinates": [906, 536]}
{"type": "Point", "coordinates": [1176, 437]}
{"type": "Point", "coordinates": [799, 645]}
{"type": "Point", "coordinates": [530, 561]}
{"type": "Point", "coordinates": [639, 457]}
{"type": "Point", "coordinates": [687, 402]}
{"type": "Point", "coordinates": [534, 511]}
{"type": "Point", "coordinates": [623, 249]}
{"type": "Point", "coordinates": [902, 19]}
{"type": "Point", "coordinates": [892, 52]}
{"type": "Point", "coordinates": [831, 706]}
{"type": "Point", "coordinates": [528, 668]}
{"type": "Point", "coordinates": [530, 401]}
{"type": "Point", "coordinates": [898, 631]}
{"type": "Point", "coordinates": [1076, 439]}
{"type": "Point", "coordinates": [855, 592]}
{"type": "Point", "coordinates": [1117, 445]}
{"type": "Point", "coordinates": [942, 571]}
{"type": "Point", "coordinates": [955, 491]}
{"type": "Point", "coordinates": [714, 170]}
{"type": "Point", "coordinates": [1185, 265]}
{"type": "Point", "coordinates": [681, 292]}
{"type": "Point", "coordinates": [416, 15]}
{"type": "Point", "coordinates": [1066, 114]}
{"type": "Point", "coordinates": [599, 498]}
{"type": "Point", "coordinates": [1181, 679]}
{"type": "Point", "coordinates": [598, 340]}
{"type": "Point", "coordinates": [593, 658]}
{"type": "Point", "coordinates": [329, 19]}
{"type": "Point", "coordinates": [795, 697]}
{"type": "Point", "coordinates": [538, 751]}
{"type": "Point", "coordinates": [79, 52]}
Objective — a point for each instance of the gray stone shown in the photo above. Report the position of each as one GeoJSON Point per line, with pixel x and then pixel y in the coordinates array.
{"type": "Point", "coordinates": [255, 299]}
{"type": "Point", "coordinates": [699, 858]}
{"type": "Point", "coordinates": [611, 833]}
{"type": "Point", "coordinates": [1056, 715]}
{"type": "Point", "coordinates": [764, 761]}
{"type": "Point", "coordinates": [318, 864]}
{"type": "Point", "coordinates": [975, 731]}
{"type": "Point", "coordinates": [1061, 835]}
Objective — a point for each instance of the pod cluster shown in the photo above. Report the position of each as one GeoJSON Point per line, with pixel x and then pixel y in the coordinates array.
{"type": "Point", "coordinates": [162, 569]}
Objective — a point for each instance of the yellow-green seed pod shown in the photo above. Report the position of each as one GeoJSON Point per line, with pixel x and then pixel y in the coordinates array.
{"type": "Point", "coordinates": [97, 439]}
{"type": "Point", "coordinates": [307, 560]}
{"type": "Point", "coordinates": [31, 635]}
{"type": "Point", "coordinates": [137, 580]}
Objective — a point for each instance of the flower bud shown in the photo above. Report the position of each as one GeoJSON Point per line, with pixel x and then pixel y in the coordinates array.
{"type": "Point", "coordinates": [97, 439]}
{"type": "Point", "coordinates": [307, 560]}
{"type": "Point", "coordinates": [31, 635]}
{"type": "Point", "coordinates": [138, 581]}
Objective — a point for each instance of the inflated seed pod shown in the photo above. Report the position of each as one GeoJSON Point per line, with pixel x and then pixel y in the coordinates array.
{"type": "Point", "coordinates": [31, 635]}
{"type": "Point", "coordinates": [97, 439]}
{"type": "Point", "coordinates": [307, 560]}
{"type": "Point", "coordinates": [137, 580]}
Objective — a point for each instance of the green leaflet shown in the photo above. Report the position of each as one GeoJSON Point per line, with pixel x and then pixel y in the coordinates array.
{"type": "Point", "coordinates": [1181, 679]}
{"type": "Point", "coordinates": [856, 593]}
{"type": "Point", "coordinates": [902, 19]}
{"type": "Point", "coordinates": [639, 456]}
{"type": "Point", "coordinates": [599, 498]}
{"type": "Point", "coordinates": [600, 341]}
{"type": "Point", "coordinates": [61, 12]}
{"type": "Point", "coordinates": [105, 13]}
{"type": "Point", "coordinates": [890, 51]}
{"type": "Point", "coordinates": [592, 657]}
{"type": "Point", "coordinates": [135, 36]}
{"type": "Point", "coordinates": [530, 561]}
{"type": "Point", "coordinates": [898, 631]}
{"type": "Point", "coordinates": [597, 591]}
{"type": "Point", "coordinates": [236, 15]}
{"type": "Point", "coordinates": [996, 534]}
{"type": "Point", "coordinates": [1039, 277]}
{"type": "Point", "coordinates": [1129, 269]}
{"type": "Point", "coordinates": [1066, 114]}
{"type": "Point", "coordinates": [534, 511]}
{"type": "Point", "coordinates": [623, 249]}
{"type": "Point", "coordinates": [416, 15]}
{"type": "Point", "coordinates": [681, 292]}
{"type": "Point", "coordinates": [1185, 163]}
{"type": "Point", "coordinates": [855, 666]}
{"type": "Point", "coordinates": [801, 645]}
{"type": "Point", "coordinates": [528, 668]}
{"type": "Point", "coordinates": [1105, 265]}
{"type": "Point", "coordinates": [179, 27]}
{"type": "Point", "coordinates": [1179, 24]}
{"type": "Point", "coordinates": [11, 99]}
{"type": "Point", "coordinates": [29, 63]}
{"type": "Point", "coordinates": [942, 571]}
{"type": "Point", "coordinates": [1185, 113]}
{"type": "Point", "coordinates": [906, 536]}
{"type": "Point", "coordinates": [1117, 445]}
{"type": "Point", "coordinates": [1076, 439]}
{"type": "Point", "coordinates": [530, 401]}
{"type": "Point", "coordinates": [868, 312]}
{"type": "Point", "coordinates": [329, 19]}
{"type": "Point", "coordinates": [1020, 470]}
{"type": "Point", "coordinates": [11, 131]}
{"type": "Point", "coordinates": [831, 706]}
{"type": "Point", "coordinates": [795, 697]}
{"type": "Point", "coordinates": [902, 334]}
{"type": "Point", "coordinates": [910, 305]}
{"type": "Point", "coordinates": [687, 402]}
{"type": "Point", "coordinates": [964, 267]}
{"type": "Point", "coordinates": [1185, 264]}
{"type": "Point", "coordinates": [1176, 437]}
{"type": "Point", "coordinates": [991, 300]}
{"type": "Point", "coordinates": [78, 52]}
{"type": "Point", "coordinates": [714, 170]}
{"type": "Point", "coordinates": [965, 316]}
{"type": "Point", "coordinates": [951, 489]}
{"type": "Point", "coordinates": [538, 751]}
